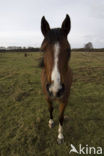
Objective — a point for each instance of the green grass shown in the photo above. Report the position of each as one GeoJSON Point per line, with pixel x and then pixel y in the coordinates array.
{"type": "Point", "coordinates": [23, 110]}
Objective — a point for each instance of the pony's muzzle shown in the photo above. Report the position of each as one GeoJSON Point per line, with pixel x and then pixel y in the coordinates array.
{"type": "Point", "coordinates": [59, 93]}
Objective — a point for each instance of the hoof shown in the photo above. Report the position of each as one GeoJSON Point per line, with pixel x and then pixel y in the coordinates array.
{"type": "Point", "coordinates": [51, 125]}
{"type": "Point", "coordinates": [60, 141]}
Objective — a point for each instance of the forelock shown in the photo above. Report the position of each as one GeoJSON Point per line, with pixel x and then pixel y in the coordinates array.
{"type": "Point", "coordinates": [54, 35]}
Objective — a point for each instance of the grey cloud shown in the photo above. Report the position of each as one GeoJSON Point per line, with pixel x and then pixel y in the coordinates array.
{"type": "Point", "coordinates": [20, 20]}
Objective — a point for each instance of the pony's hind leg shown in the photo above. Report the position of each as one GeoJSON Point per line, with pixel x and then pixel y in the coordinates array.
{"type": "Point", "coordinates": [60, 138]}
{"type": "Point", "coordinates": [50, 108]}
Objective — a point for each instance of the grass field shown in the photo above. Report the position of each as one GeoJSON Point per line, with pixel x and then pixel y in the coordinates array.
{"type": "Point", "coordinates": [23, 110]}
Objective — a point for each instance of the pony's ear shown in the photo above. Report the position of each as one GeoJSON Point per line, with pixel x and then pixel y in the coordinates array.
{"type": "Point", "coordinates": [66, 25]}
{"type": "Point", "coordinates": [44, 26]}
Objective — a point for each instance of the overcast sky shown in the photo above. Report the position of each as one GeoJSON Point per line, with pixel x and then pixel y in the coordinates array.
{"type": "Point", "coordinates": [20, 21]}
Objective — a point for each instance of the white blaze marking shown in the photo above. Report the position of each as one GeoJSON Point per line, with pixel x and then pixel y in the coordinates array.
{"type": "Point", "coordinates": [55, 77]}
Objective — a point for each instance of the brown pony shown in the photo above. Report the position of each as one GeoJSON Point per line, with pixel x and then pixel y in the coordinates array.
{"type": "Point", "coordinates": [56, 75]}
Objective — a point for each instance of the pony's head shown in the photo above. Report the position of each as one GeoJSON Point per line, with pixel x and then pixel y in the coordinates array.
{"type": "Point", "coordinates": [56, 55]}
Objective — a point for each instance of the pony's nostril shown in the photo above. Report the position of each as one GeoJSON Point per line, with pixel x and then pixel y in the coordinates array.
{"type": "Point", "coordinates": [61, 91]}
{"type": "Point", "coordinates": [47, 86]}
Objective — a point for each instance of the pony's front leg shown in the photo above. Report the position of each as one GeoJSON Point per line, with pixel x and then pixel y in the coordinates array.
{"type": "Point", "coordinates": [50, 108]}
{"type": "Point", "coordinates": [60, 138]}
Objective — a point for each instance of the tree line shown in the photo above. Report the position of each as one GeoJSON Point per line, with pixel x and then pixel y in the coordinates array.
{"type": "Point", "coordinates": [19, 49]}
{"type": "Point", "coordinates": [88, 47]}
